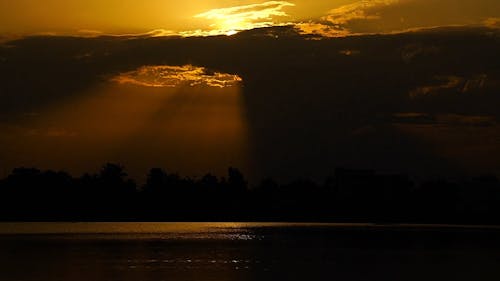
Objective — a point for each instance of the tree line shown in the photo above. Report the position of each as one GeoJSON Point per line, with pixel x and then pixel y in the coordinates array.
{"type": "Point", "coordinates": [29, 194]}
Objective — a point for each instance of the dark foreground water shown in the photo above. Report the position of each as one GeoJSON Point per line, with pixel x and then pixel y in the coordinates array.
{"type": "Point", "coordinates": [236, 251]}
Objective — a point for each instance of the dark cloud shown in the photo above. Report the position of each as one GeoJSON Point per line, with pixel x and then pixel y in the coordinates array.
{"type": "Point", "coordinates": [456, 84]}
{"type": "Point", "coordinates": [444, 119]}
{"type": "Point", "coordinates": [310, 105]}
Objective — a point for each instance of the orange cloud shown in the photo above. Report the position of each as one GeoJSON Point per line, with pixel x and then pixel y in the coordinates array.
{"type": "Point", "coordinates": [398, 16]}
{"type": "Point", "coordinates": [172, 76]}
{"type": "Point", "coordinates": [357, 11]}
{"type": "Point", "coordinates": [492, 22]}
{"type": "Point", "coordinates": [231, 20]}
{"type": "Point", "coordinates": [336, 22]}
{"type": "Point", "coordinates": [454, 83]}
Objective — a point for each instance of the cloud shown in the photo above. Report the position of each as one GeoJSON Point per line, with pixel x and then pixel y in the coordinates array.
{"type": "Point", "coordinates": [445, 83]}
{"type": "Point", "coordinates": [413, 118]}
{"type": "Point", "coordinates": [173, 76]}
{"type": "Point", "coordinates": [397, 16]}
{"type": "Point", "coordinates": [60, 133]}
{"type": "Point", "coordinates": [415, 50]}
{"type": "Point", "coordinates": [4, 39]}
{"type": "Point", "coordinates": [47, 132]}
{"type": "Point", "coordinates": [349, 52]}
{"type": "Point", "coordinates": [153, 33]}
{"type": "Point", "coordinates": [90, 33]}
{"type": "Point", "coordinates": [223, 21]}
{"type": "Point", "coordinates": [302, 100]}
{"type": "Point", "coordinates": [337, 22]}
{"type": "Point", "coordinates": [159, 32]}
{"type": "Point", "coordinates": [492, 22]}
{"type": "Point", "coordinates": [466, 120]}
{"type": "Point", "coordinates": [453, 83]}
{"type": "Point", "coordinates": [456, 120]}
{"type": "Point", "coordinates": [233, 19]}
{"type": "Point", "coordinates": [321, 29]}
{"type": "Point", "coordinates": [361, 10]}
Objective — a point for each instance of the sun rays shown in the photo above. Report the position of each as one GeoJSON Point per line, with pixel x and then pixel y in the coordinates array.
{"type": "Point", "coordinates": [184, 117]}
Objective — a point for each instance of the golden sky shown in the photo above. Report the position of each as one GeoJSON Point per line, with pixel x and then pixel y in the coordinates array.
{"type": "Point", "coordinates": [144, 104]}
{"type": "Point", "coordinates": [210, 17]}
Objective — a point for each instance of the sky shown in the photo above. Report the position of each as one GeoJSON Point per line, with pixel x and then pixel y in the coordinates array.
{"type": "Point", "coordinates": [297, 89]}
{"type": "Point", "coordinates": [334, 17]}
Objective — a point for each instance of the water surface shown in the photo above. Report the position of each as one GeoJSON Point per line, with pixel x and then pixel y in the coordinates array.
{"type": "Point", "coordinates": [246, 251]}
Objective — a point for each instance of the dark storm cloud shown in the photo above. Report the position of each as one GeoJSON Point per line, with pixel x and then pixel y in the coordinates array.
{"type": "Point", "coordinates": [310, 105]}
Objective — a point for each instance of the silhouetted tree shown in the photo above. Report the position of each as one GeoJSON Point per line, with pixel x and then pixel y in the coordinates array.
{"type": "Point", "coordinates": [209, 181]}
{"type": "Point", "coordinates": [356, 195]}
{"type": "Point", "coordinates": [156, 182]}
{"type": "Point", "coordinates": [113, 173]}
{"type": "Point", "coordinates": [236, 181]}
{"type": "Point", "coordinates": [268, 185]}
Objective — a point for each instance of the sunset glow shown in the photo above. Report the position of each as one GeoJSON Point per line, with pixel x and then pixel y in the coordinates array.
{"type": "Point", "coordinates": [308, 85]}
{"type": "Point", "coordinates": [233, 19]}
{"type": "Point", "coordinates": [377, 118]}
{"type": "Point", "coordinates": [206, 18]}
{"type": "Point", "coordinates": [149, 113]}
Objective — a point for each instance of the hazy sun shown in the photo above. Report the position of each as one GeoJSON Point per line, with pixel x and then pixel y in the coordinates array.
{"type": "Point", "coordinates": [230, 21]}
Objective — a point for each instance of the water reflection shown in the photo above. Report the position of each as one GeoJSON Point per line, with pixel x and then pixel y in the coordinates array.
{"type": "Point", "coordinates": [160, 231]}
{"type": "Point", "coordinates": [282, 252]}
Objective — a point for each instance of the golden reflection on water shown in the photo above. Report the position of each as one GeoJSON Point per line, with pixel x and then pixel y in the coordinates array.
{"type": "Point", "coordinates": [225, 230]}
{"type": "Point", "coordinates": [116, 228]}
{"type": "Point", "coordinates": [221, 251]}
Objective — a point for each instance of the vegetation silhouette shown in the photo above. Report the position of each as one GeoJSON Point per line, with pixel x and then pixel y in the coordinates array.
{"type": "Point", "coordinates": [29, 194]}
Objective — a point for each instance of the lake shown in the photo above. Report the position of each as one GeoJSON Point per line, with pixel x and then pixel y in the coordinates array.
{"type": "Point", "coordinates": [246, 251]}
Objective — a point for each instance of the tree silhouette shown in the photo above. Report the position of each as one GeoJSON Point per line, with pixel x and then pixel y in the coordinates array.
{"type": "Point", "coordinates": [113, 173]}
{"type": "Point", "coordinates": [156, 182]}
{"type": "Point", "coordinates": [236, 181]}
{"type": "Point", "coordinates": [349, 195]}
{"type": "Point", "coordinates": [209, 181]}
